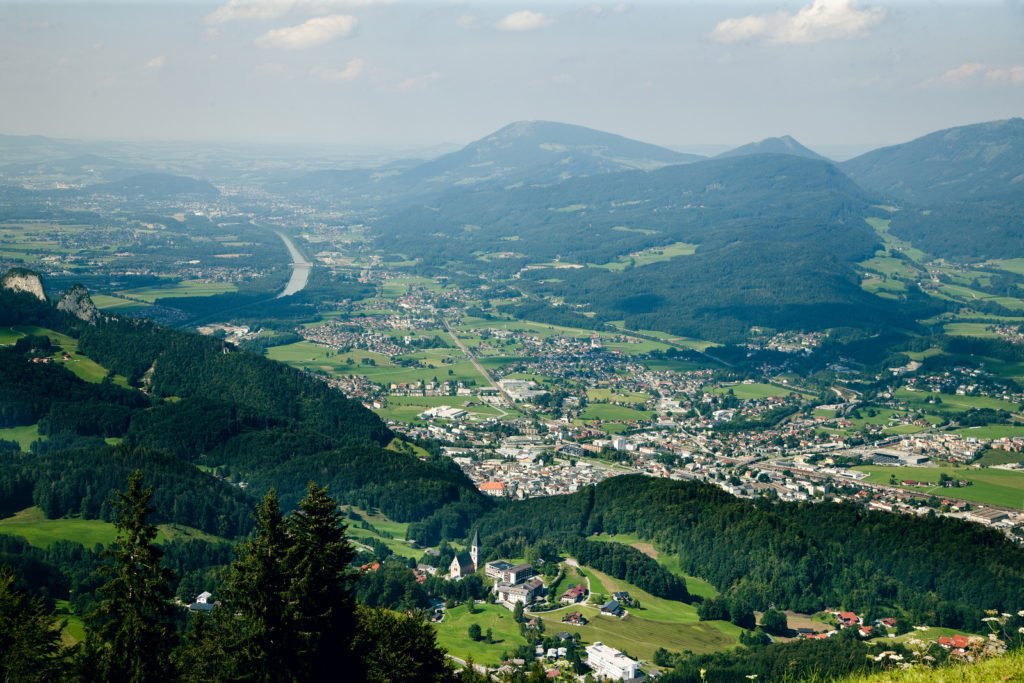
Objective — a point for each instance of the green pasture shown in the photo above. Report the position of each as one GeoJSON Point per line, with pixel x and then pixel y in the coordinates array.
{"type": "Point", "coordinates": [452, 633]}
{"type": "Point", "coordinates": [82, 366]}
{"type": "Point", "coordinates": [990, 486]}
{"type": "Point", "coordinates": [605, 394]}
{"type": "Point", "coordinates": [951, 403]}
{"type": "Point", "coordinates": [613, 413]}
{"type": "Point", "coordinates": [32, 525]}
{"type": "Point", "coordinates": [757, 390]}
{"type": "Point", "coordinates": [185, 288]}
{"type": "Point", "coordinates": [24, 435]}
{"type": "Point", "coordinates": [115, 304]}
{"type": "Point", "coordinates": [695, 585]}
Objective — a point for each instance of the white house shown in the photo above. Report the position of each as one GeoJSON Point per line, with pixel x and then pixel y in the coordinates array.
{"type": "Point", "coordinates": [607, 662]}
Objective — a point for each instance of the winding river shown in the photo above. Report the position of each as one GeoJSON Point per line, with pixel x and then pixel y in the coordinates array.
{"type": "Point", "coordinates": [301, 268]}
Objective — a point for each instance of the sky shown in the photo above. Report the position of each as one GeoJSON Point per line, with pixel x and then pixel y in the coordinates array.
{"type": "Point", "coordinates": [379, 72]}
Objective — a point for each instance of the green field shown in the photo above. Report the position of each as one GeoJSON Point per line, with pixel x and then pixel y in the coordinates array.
{"type": "Point", "coordinates": [32, 525]}
{"type": "Point", "coordinates": [408, 408]}
{"type": "Point", "coordinates": [452, 633]}
{"type": "Point", "coordinates": [116, 304]}
{"type": "Point", "coordinates": [990, 486]}
{"type": "Point", "coordinates": [998, 457]}
{"type": "Point", "coordinates": [82, 366]}
{"type": "Point", "coordinates": [970, 330]}
{"type": "Point", "coordinates": [695, 585]}
{"type": "Point", "coordinates": [951, 403]}
{"type": "Point", "coordinates": [753, 391]}
{"type": "Point", "coordinates": [641, 638]}
{"type": "Point", "coordinates": [435, 363]}
{"type": "Point", "coordinates": [614, 413]}
{"type": "Point", "coordinates": [604, 394]}
{"type": "Point", "coordinates": [24, 435]}
{"type": "Point", "coordinates": [1013, 265]}
{"type": "Point", "coordinates": [185, 288]}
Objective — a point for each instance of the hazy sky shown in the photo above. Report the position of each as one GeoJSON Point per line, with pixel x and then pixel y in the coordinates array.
{"type": "Point", "coordinates": [372, 72]}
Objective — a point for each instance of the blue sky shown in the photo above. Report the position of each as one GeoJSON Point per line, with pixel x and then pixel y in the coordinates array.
{"type": "Point", "coordinates": [369, 72]}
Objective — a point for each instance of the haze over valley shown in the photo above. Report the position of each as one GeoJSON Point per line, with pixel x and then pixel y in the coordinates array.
{"type": "Point", "coordinates": [440, 342]}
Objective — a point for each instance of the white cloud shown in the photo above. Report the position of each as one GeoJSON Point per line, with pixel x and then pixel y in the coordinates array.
{"type": "Point", "coordinates": [353, 70]}
{"type": "Point", "coordinates": [962, 73]}
{"type": "Point", "coordinates": [973, 72]}
{"type": "Point", "coordinates": [237, 10]}
{"type": "Point", "coordinates": [1010, 74]}
{"type": "Point", "coordinates": [524, 20]}
{"type": "Point", "coordinates": [268, 10]}
{"type": "Point", "coordinates": [821, 20]}
{"type": "Point", "coordinates": [311, 33]}
{"type": "Point", "coordinates": [418, 82]}
{"type": "Point", "coordinates": [157, 62]}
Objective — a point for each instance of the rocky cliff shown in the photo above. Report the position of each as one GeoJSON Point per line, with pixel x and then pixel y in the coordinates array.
{"type": "Point", "coordinates": [23, 280]}
{"type": "Point", "coordinates": [77, 302]}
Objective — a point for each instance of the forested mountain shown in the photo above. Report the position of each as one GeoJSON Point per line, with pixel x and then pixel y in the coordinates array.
{"type": "Point", "coordinates": [980, 161]}
{"type": "Point", "coordinates": [155, 186]}
{"type": "Point", "coordinates": [796, 556]}
{"type": "Point", "coordinates": [781, 145]}
{"type": "Point", "coordinates": [775, 239]}
{"type": "Point", "coordinates": [525, 152]}
{"type": "Point", "coordinates": [199, 402]}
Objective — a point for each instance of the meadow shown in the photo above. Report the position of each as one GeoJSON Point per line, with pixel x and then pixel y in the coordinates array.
{"type": "Point", "coordinates": [758, 390]}
{"type": "Point", "coordinates": [185, 288]}
{"type": "Point", "coordinates": [32, 525]}
{"type": "Point", "coordinates": [452, 633]}
{"type": "Point", "coordinates": [82, 366]}
{"type": "Point", "coordinates": [24, 435]}
{"type": "Point", "coordinates": [989, 486]}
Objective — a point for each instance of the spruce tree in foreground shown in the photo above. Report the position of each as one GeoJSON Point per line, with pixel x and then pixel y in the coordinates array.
{"type": "Point", "coordinates": [321, 599]}
{"type": "Point", "coordinates": [253, 622]}
{"type": "Point", "coordinates": [30, 647]}
{"type": "Point", "coordinates": [131, 632]}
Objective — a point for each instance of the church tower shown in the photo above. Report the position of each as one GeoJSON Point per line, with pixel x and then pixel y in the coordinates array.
{"type": "Point", "coordinates": [474, 550]}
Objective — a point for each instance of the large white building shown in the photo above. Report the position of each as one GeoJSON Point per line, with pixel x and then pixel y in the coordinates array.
{"type": "Point", "coordinates": [607, 662]}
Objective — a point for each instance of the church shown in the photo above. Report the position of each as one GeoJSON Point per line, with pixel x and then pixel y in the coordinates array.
{"type": "Point", "coordinates": [464, 564]}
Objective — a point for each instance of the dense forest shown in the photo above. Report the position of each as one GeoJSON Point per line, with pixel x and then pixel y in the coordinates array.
{"type": "Point", "coordinates": [804, 557]}
{"type": "Point", "coordinates": [776, 236]}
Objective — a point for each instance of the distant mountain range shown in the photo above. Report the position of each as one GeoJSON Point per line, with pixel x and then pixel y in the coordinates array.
{"type": "Point", "coordinates": [980, 161]}
{"type": "Point", "coordinates": [522, 153]}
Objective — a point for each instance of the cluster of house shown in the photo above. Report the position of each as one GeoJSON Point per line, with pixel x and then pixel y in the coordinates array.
{"type": "Point", "coordinates": [512, 583]}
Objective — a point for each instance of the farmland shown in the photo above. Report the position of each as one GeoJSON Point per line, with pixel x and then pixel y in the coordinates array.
{"type": "Point", "coordinates": [988, 486]}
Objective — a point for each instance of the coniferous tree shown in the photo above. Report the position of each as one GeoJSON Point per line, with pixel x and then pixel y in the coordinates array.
{"type": "Point", "coordinates": [260, 636]}
{"type": "Point", "coordinates": [131, 632]}
{"type": "Point", "coordinates": [398, 647]}
{"type": "Point", "coordinates": [320, 594]}
{"type": "Point", "coordinates": [30, 647]}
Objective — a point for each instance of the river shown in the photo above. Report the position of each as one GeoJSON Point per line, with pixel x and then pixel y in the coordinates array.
{"type": "Point", "coordinates": [301, 268]}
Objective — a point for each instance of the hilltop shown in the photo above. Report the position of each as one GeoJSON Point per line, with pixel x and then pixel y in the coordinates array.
{"type": "Point", "coordinates": [975, 162]}
{"type": "Point", "coordinates": [780, 145]}
{"type": "Point", "coordinates": [743, 240]}
{"type": "Point", "coordinates": [521, 153]}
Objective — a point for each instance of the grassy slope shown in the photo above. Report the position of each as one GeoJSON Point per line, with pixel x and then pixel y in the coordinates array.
{"type": "Point", "coordinates": [1009, 669]}
{"type": "Point", "coordinates": [41, 532]}
{"type": "Point", "coordinates": [452, 633]}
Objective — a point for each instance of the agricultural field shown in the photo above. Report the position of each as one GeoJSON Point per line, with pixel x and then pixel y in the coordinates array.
{"type": "Point", "coordinates": [649, 256]}
{"type": "Point", "coordinates": [408, 408]}
{"type": "Point", "coordinates": [396, 530]}
{"type": "Point", "coordinates": [115, 304]}
{"type": "Point", "coordinates": [989, 486]}
{"type": "Point", "coordinates": [641, 638]}
{"type": "Point", "coordinates": [452, 633]}
{"type": "Point", "coordinates": [612, 413]}
{"type": "Point", "coordinates": [604, 394]}
{"type": "Point", "coordinates": [753, 391]}
{"type": "Point", "coordinates": [1013, 265]}
{"type": "Point", "coordinates": [950, 403]}
{"type": "Point", "coordinates": [185, 288]}
{"type": "Point", "coordinates": [32, 525]}
{"type": "Point", "coordinates": [432, 363]}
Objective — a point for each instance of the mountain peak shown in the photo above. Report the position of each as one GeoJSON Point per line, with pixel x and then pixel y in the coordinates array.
{"type": "Point", "coordinates": [785, 144]}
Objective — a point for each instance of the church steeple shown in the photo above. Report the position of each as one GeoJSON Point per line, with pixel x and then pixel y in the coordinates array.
{"type": "Point", "coordinates": [474, 549]}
